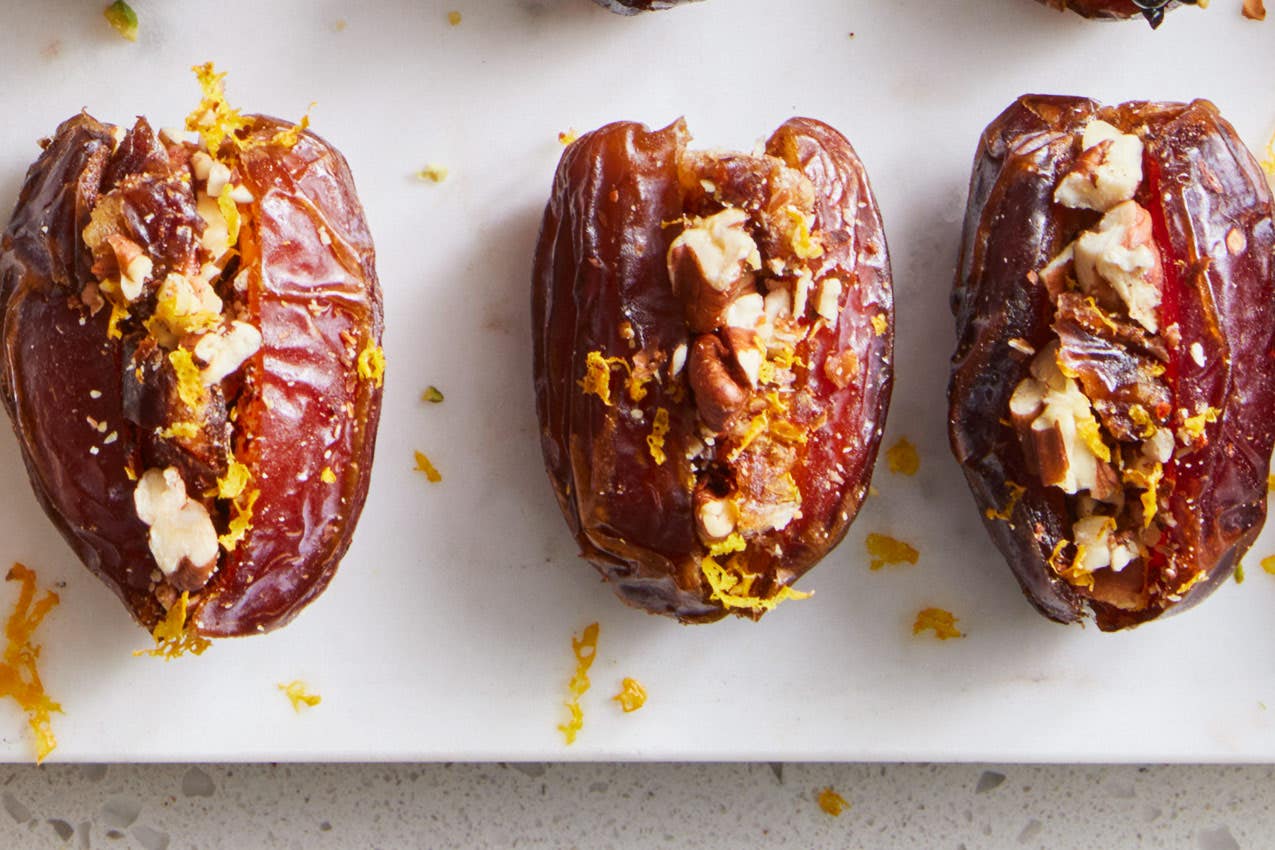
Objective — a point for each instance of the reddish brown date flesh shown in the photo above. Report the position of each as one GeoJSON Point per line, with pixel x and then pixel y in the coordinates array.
{"type": "Point", "coordinates": [301, 413]}
{"type": "Point", "coordinates": [1152, 10]}
{"type": "Point", "coordinates": [604, 283]}
{"type": "Point", "coordinates": [1211, 219]}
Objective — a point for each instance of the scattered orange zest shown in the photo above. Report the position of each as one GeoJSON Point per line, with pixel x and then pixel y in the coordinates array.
{"type": "Point", "coordinates": [887, 551]}
{"type": "Point", "coordinates": [585, 649]}
{"type": "Point", "coordinates": [632, 695]}
{"type": "Point", "coordinates": [832, 802]}
{"type": "Point", "coordinates": [941, 622]}
{"type": "Point", "coordinates": [423, 465]}
{"type": "Point", "coordinates": [174, 637]}
{"type": "Point", "coordinates": [902, 457]}
{"type": "Point", "coordinates": [299, 696]}
{"type": "Point", "coordinates": [20, 674]}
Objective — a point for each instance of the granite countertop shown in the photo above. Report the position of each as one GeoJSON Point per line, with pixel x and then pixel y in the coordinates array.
{"type": "Point", "coordinates": [598, 806]}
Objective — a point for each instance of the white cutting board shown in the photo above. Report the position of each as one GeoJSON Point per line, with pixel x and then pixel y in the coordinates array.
{"type": "Point", "coordinates": [446, 633]}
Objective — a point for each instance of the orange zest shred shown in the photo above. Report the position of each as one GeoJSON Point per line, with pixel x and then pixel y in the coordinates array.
{"type": "Point", "coordinates": [759, 425]}
{"type": "Point", "coordinates": [1268, 564]}
{"type": "Point", "coordinates": [423, 465]}
{"type": "Point", "coordinates": [299, 695]}
{"type": "Point", "coordinates": [237, 476]}
{"type": "Point", "coordinates": [1138, 414]}
{"type": "Point", "coordinates": [174, 637]}
{"type": "Point", "coordinates": [184, 430]}
{"type": "Point", "coordinates": [1016, 492]}
{"type": "Point", "coordinates": [902, 457]}
{"type": "Point", "coordinates": [1070, 573]}
{"type": "Point", "coordinates": [453, 18]}
{"type": "Point", "coordinates": [1239, 573]}
{"type": "Point", "coordinates": [732, 586]}
{"type": "Point", "coordinates": [832, 802]}
{"type": "Point", "coordinates": [1270, 483]}
{"type": "Point", "coordinates": [632, 695]}
{"type": "Point", "coordinates": [568, 136]}
{"type": "Point", "coordinates": [327, 476]}
{"type": "Point", "coordinates": [190, 387]}
{"type": "Point", "coordinates": [240, 522]}
{"type": "Point", "coordinates": [941, 622]}
{"type": "Point", "coordinates": [888, 551]}
{"type": "Point", "coordinates": [655, 440]}
{"type": "Point", "coordinates": [597, 375]}
{"type": "Point", "coordinates": [371, 363]}
{"type": "Point", "coordinates": [214, 119]}
{"type": "Point", "coordinates": [1148, 482]}
{"type": "Point", "coordinates": [585, 649]}
{"type": "Point", "coordinates": [1193, 426]}
{"type": "Point", "coordinates": [289, 137]}
{"type": "Point", "coordinates": [1087, 428]}
{"type": "Point", "coordinates": [20, 673]}
{"type": "Point", "coordinates": [879, 324]}
{"type": "Point", "coordinates": [230, 212]}
{"type": "Point", "coordinates": [804, 245]}
{"type": "Point", "coordinates": [118, 314]}
{"type": "Point", "coordinates": [635, 383]}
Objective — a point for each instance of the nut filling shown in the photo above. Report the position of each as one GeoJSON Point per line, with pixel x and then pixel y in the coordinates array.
{"type": "Point", "coordinates": [1095, 417]}
{"type": "Point", "coordinates": [180, 312]}
{"type": "Point", "coordinates": [728, 350]}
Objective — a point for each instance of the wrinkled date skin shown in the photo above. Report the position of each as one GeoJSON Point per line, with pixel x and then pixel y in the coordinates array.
{"type": "Point", "coordinates": [632, 7]}
{"type": "Point", "coordinates": [1152, 10]}
{"type": "Point", "coordinates": [93, 409]}
{"type": "Point", "coordinates": [1203, 379]}
{"type": "Point", "coordinates": [659, 259]}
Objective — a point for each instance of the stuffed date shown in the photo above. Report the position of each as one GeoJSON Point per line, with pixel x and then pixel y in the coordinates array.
{"type": "Point", "coordinates": [1152, 10]}
{"type": "Point", "coordinates": [1112, 398]}
{"type": "Point", "coordinates": [191, 359]}
{"type": "Point", "coordinates": [712, 343]}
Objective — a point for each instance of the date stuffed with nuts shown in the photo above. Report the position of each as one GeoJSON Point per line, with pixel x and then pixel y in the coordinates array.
{"type": "Point", "coordinates": [713, 335]}
{"type": "Point", "coordinates": [192, 361]}
{"type": "Point", "coordinates": [1152, 10]}
{"type": "Point", "coordinates": [1112, 398]}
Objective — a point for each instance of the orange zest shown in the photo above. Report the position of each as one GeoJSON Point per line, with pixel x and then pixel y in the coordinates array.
{"type": "Point", "coordinates": [585, 649]}
{"type": "Point", "coordinates": [941, 622]}
{"type": "Point", "coordinates": [20, 674]}
{"type": "Point", "coordinates": [174, 636]}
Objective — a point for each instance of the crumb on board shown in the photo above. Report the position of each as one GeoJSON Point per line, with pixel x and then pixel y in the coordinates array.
{"type": "Point", "coordinates": [832, 802]}
{"type": "Point", "coordinates": [453, 18]}
{"type": "Point", "coordinates": [568, 136]}
{"type": "Point", "coordinates": [1268, 564]}
{"type": "Point", "coordinates": [433, 173]}
{"type": "Point", "coordinates": [121, 16]}
{"type": "Point", "coordinates": [432, 394]}
{"type": "Point", "coordinates": [584, 648]}
{"type": "Point", "coordinates": [937, 620]}
{"type": "Point", "coordinates": [889, 551]}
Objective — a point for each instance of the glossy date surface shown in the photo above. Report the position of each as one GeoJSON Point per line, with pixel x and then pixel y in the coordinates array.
{"type": "Point", "coordinates": [96, 400]}
{"type": "Point", "coordinates": [1152, 10]}
{"type": "Point", "coordinates": [1203, 373]}
{"type": "Point", "coordinates": [753, 430]}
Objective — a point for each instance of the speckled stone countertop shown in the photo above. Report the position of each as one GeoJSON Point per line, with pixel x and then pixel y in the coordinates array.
{"type": "Point", "coordinates": [937, 807]}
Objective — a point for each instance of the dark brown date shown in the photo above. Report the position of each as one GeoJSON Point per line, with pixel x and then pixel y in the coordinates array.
{"type": "Point", "coordinates": [1152, 10]}
{"type": "Point", "coordinates": [192, 363]}
{"type": "Point", "coordinates": [1112, 399]}
{"type": "Point", "coordinates": [632, 7]}
{"type": "Point", "coordinates": [713, 339]}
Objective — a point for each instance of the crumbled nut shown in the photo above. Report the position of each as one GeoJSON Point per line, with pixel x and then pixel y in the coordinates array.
{"type": "Point", "coordinates": [715, 518]}
{"type": "Point", "coordinates": [182, 537]}
{"type": "Point", "coordinates": [829, 300]}
{"type": "Point", "coordinates": [1122, 253]}
{"type": "Point", "coordinates": [1108, 172]}
{"type": "Point", "coordinates": [710, 264]}
{"type": "Point", "coordinates": [225, 350]}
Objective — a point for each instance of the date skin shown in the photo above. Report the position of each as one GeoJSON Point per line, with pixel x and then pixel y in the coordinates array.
{"type": "Point", "coordinates": [311, 290]}
{"type": "Point", "coordinates": [601, 267]}
{"type": "Point", "coordinates": [1212, 220]}
{"type": "Point", "coordinates": [633, 7]}
{"type": "Point", "coordinates": [1152, 10]}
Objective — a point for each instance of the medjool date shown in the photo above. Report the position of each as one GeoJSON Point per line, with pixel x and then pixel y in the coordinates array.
{"type": "Point", "coordinates": [1112, 398]}
{"type": "Point", "coordinates": [712, 340]}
